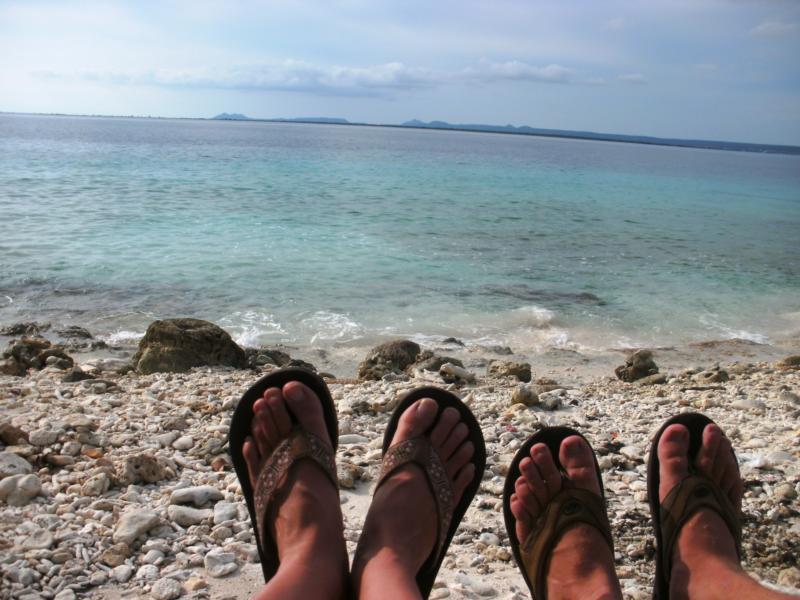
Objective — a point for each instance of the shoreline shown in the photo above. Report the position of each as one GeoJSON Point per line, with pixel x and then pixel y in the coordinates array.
{"type": "Point", "coordinates": [68, 535]}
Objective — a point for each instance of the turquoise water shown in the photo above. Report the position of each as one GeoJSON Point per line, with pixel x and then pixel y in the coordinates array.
{"type": "Point", "coordinates": [321, 234]}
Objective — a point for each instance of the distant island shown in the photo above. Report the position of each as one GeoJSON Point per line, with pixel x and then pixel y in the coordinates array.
{"type": "Point", "coordinates": [536, 131]}
{"type": "Point", "coordinates": [240, 117]}
{"type": "Point", "coordinates": [607, 137]}
{"type": "Point", "coordinates": [231, 117]}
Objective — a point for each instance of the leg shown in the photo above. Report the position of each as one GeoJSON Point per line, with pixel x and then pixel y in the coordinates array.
{"type": "Point", "coordinates": [306, 519]}
{"type": "Point", "coordinates": [401, 526]}
{"type": "Point", "coordinates": [581, 565]}
{"type": "Point", "coordinates": [704, 562]}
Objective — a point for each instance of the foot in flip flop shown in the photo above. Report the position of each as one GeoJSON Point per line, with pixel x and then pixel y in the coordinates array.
{"type": "Point", "coordinates": [402, 526]}
{"type": "Point", "coordinates": [304, 518]}
{"type": "Point", "coordinates": [581, 564]}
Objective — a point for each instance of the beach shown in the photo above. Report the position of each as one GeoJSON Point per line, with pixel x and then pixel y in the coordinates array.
{"type": "Point", "coordinates": [96, 528]}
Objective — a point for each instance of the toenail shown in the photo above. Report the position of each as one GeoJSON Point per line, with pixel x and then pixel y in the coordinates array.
{"type": "Point", "coordinates": [572, 449]}
{"type": "Point", "coordinates": [295, 393]}
{"type": "Point", "coordinates": [426, 407]}
{"type": "Point", "coordinates": [540, 451]}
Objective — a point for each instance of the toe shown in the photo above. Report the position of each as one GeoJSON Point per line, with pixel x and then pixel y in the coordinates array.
{"type": "Point", "coordinates": [260, 434]}
{"type": "Point", "coordinates": [722, 458]}
{"type": "Point", "coordinates": [279, 414]}
{"type": "Point", "coordinates": [446, 423]}
{"type": "Point", "coordinates": [523, 525]}
{"type": "Point", "coordinates": [453, 441]}
{"type": "Point", "coordinates": [462, 480]}
{"type": "Point", "coordinates": [534, 480]}
{"type": "Point", "coordinates": [252, 458]}
{"type": "Point", "coordinates": [459, 459]}
{"type": "Point", "coordinates": [540, 454]}
{"type": "Point", "coordinates": [578, 461]}
{"type": "Point", "coordinates": [673, 458]}
{"type": "Point", "coordinates": [306, 408]}
{"type": "Point", "coordinates": [416, 420]}
{"type": "Point", "coordinates": [706, 456]}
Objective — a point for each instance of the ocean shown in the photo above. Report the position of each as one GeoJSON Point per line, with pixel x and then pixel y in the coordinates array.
{"type": "Point", "coordinates": [330, 235]}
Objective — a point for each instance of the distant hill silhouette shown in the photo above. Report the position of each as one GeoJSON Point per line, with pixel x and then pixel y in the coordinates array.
{"type": "Point", "coordinates": [231, 117]}
{"type": "Point", "coordinates": [610, 137]}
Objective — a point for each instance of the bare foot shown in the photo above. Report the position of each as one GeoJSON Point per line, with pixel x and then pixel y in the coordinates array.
{"type": "Point", "coordinates": [582, 564]}
{"type": "Point", "coordinates": [305, 519]}
{"type": "Point", "coordinates": [401, 527]}
{"type": "Point", "coordinates": [705, 564]}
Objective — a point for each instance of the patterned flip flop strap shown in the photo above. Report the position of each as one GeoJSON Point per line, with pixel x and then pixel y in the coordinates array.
{"type": "Point", "coordinates": [685, 499]}
{"type": "Point", "coordinates": [570, 506]}
{"type": "Point", "coordinates": [299, 445]}
{"type": "Point", "coordinates": [420, 452]}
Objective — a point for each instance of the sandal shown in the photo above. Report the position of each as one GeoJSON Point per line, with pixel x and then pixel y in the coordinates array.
{"type": "Point", "coordinates": [419, 450]}
{"type": "Point", "coordinates": [300, 444]}
{"type": "Point", "coordinates": [686, 498]}
{"type": "Point", "coordinates": [570, 506]}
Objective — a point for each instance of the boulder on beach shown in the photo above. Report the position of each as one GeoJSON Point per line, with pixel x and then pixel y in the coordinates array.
{"type": "Point", "coordinates": [638, 365]}
{"type": "Point", "coordinates": [30, 328]}
{"type": "Point", "coordinates": [391, 357]}
{"type": "Point", "coordinates": [510, 368]}
{"type": "Point", "coordinates": [177, 345]}
{"type": "Point", "coordinates": [33, 353]}
{"type": "Point", "coordinates": [428, 361]}
{"type": "Point", "coordinates": [789, 363]}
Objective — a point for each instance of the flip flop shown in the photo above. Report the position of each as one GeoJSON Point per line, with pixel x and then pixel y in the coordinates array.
{"type": "Point", "coordinates": [300, 444]}
{"type": "Point", "coordinates": [570, 506]}
{"type": "Point", "coordinates": [686, 498]}
{"type": "Point", "coordinates": [420, 451]}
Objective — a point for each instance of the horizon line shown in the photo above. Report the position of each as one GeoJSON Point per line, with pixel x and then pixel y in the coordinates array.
{"type": "Point", "coordinates": [649, 140]}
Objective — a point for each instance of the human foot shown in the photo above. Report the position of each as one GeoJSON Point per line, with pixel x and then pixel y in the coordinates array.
{"type": "Point", "coordinates": [581, 564]}
{"type": "Point", "coordinates": [401, 528]}
{"type": "Point", "coordinates": [705, 555]}
{"type": "Point", "coordinates": [304, 516]}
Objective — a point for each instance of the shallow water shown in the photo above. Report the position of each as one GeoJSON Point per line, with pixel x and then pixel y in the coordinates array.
{"type": "Point", "coordinates": [321, 234]}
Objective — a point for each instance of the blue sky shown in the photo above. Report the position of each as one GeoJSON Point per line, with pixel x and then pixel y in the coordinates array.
{"type": "Point", "coordinates": [713, 69]}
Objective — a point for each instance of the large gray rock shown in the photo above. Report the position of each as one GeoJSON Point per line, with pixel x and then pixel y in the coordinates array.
{"type": "Point", "coordinates": [12, 464]}
{"type": "Point", "coordinates": [638, 365]}
{"type": "Point", "coordinates": [177, 345]}
{"type": "Point", "coordinates": [391, 357]}
{"type": "Point", "coordinates": [18, 490]}
{"type": "Point", "coordinates": [133, 524]}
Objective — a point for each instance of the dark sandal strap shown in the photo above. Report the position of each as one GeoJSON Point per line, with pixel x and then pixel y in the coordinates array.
{"type": "Point", "coordinates": [300, 444]}
{"type": "Point", "coordinates": [685, 499]}
{"type": "Point", "coordinates": [419, 451]}
{"type": "Point", "coordinates": [570, 506]}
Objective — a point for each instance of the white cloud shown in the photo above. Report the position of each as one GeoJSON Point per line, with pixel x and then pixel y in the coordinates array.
{"type": "Point", "coordinates": [773, 29]}
{"type": "Point", "coordinates": [637, 78]}
{"type": "Point", "coordinates": [302, 76]}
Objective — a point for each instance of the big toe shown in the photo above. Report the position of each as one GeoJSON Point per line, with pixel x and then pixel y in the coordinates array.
{"type": "Point", "coordinates": [416, 420]}
{"type": "Point", "coordinates": [577, 458]}
{"type": "Point", "coordinates": [673, 458]}
{"type": "Point", "coordinates": [306, 407]}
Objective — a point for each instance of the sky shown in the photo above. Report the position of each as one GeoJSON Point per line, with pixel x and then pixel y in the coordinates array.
{"type": "Point", "coordinates": [702, 69]}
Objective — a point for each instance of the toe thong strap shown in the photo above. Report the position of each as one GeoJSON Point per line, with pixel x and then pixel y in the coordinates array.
{"type": "Point", "coordinates": [570, 506]}
{"type": "Point", "coordinates": [685, 499]}
{"type": "Point", "coordinates": [300, 444]}
{"type": "Point", "coordinates": [419, 451]}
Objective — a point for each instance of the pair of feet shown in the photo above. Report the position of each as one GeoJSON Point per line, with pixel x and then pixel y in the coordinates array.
{"type": "Point", "coordinates": [306, 521]}
{"type": "Point", "coordinates": [705, 564]}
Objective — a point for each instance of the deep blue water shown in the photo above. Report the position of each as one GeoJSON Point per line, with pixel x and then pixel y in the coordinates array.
{"type": "Point", "coordinates": [326, 234]}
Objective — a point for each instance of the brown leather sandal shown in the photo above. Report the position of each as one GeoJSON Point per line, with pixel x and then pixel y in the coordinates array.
{"type": "Point", "coordinates": [570, 506]}
{"type": "Point", "coordinates": [299, 445]}
{"type": "Point", "coordinates": [686, 498]}
{"type": "Point", "coordinates": [419, 451]}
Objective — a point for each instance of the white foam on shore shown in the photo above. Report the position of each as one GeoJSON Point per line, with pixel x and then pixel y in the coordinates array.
{"type": "Point", "coordinates": [120, 337]}
{"type": "Point", "coordinates": [328, 326]}
{"type": "Point", "coordinates": [252, 328]}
